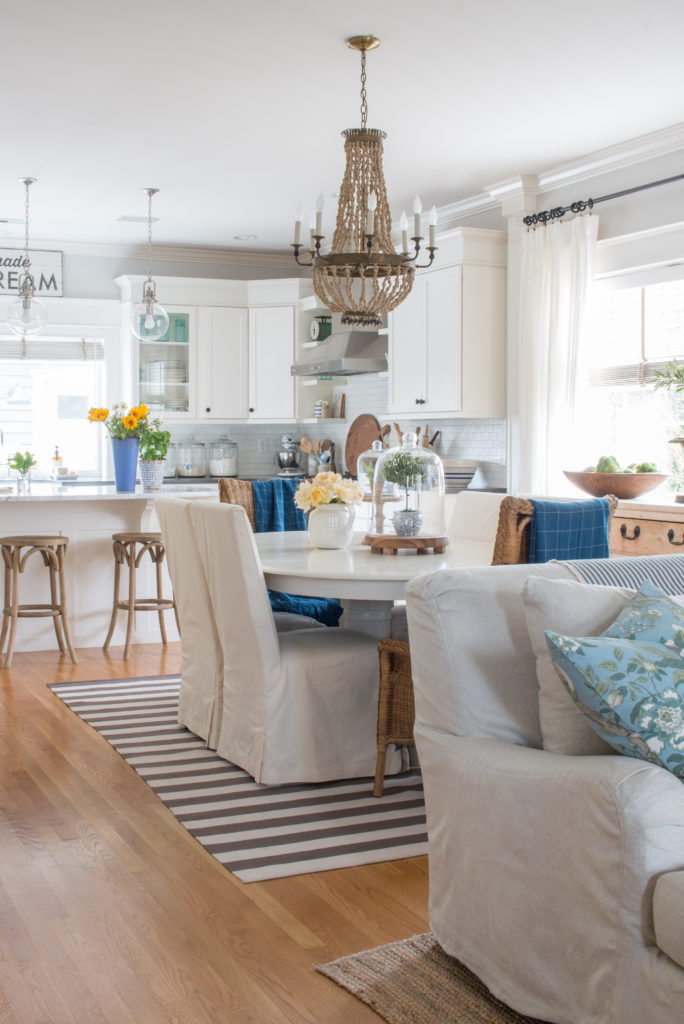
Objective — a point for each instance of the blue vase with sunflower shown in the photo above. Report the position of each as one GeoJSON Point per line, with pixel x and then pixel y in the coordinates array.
{"type": "Point", "coordinates": [125, 454]}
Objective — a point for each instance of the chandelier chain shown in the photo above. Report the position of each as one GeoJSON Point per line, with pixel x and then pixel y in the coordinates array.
{"type": "Point", "coordinates": [150, 193]}
{"type": "Point", "coordinates": [27, 258]}
{"type": "Point", "coordinates": [364, 97]}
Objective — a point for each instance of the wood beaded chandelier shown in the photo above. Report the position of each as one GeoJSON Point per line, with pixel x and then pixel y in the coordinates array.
{"type": "Point", "coordinates": [363, 277]}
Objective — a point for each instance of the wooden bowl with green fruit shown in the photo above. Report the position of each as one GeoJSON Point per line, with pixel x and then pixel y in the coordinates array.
{"type": "Point", "coordinates": [607, 478]}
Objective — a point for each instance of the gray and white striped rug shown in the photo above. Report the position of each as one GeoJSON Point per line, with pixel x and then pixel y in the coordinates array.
{"type": "Point", "coordinates": [256, 831]}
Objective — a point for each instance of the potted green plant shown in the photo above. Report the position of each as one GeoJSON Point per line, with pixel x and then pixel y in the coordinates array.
{"type": "Point", "coordinates": [154, 447]}
{"type": "Point", "coordinates": [672, 379]}
{"type": "Point", "coordinates": [22, 464]}
{"type": "Point", "coordinates": [406, 471]}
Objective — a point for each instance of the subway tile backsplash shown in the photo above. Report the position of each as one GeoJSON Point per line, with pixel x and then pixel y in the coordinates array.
{"type": "Point", "coordinates": [483, 440]}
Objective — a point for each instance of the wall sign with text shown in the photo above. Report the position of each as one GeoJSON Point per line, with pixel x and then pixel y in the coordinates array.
{"type": "Point", "coordinates": [46, 268]}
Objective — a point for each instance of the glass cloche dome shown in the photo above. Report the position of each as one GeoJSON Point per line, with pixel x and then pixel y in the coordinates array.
{"type": "Point", "coordinates": [408, 492]}
{"type": "Point", "coordinates": [365, 474]}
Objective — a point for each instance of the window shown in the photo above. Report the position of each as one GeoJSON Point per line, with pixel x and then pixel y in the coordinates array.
{"type": "Point", "coordinates": [47, 386]}
{"type": "Point", "coordinates": [633, 332]}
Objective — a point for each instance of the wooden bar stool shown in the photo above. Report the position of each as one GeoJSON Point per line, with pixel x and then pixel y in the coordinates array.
{"type": "Point", "coordinates": [52, 550]}
{"type": "Point", "coordinates": [126, 553]}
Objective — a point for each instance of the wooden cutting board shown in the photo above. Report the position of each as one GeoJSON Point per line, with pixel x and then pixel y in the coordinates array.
{"type": "Point", "coordinates": [364, 430]}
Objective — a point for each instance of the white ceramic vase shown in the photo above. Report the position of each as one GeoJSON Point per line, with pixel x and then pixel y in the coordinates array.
{"type": "Point", "coordinates": [331, 526]}
{"type": "Point", "coordinates": [151, 474]}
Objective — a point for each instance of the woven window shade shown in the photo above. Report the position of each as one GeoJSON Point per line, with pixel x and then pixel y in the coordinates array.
{"type": "Point", "coordinates": [631, 374]}
{"type": "Point", "coordinates": [47, 349]}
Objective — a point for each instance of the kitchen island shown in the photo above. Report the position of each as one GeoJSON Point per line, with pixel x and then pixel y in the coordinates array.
{"type": "Point", "coordinates": [88, 515]}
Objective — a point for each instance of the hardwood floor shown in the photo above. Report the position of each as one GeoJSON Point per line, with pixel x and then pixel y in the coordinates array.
{"type": "Point", "coordinates": [111, 913]}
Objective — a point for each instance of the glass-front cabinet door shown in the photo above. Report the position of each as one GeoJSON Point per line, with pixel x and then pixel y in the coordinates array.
{"type": "Point", "coordinates": [166, 367]}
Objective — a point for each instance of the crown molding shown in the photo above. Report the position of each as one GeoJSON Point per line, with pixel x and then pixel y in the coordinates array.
{"type": "Point", "coordinates": [614, 158]}
{"type": "Point", "coordinates": [165, 253]}
{"type": "Point", "coordinates": [451, 215]}
{"type": "Point", "coordinates": [499, 196]}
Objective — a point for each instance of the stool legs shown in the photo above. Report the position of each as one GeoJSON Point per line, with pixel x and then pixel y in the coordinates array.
{"type": "Point", "coordinates": [11, 579]}
{"type": "Point", "coordinates": [64, 622]}
{"type": "Point", "coordinates": [56, 619]}
{"type": "Point", "coordinates": [160, 596]}
{"type": "Point", "coordinates": [51, 550]}
{"type": "Point", "coordinates": [125, 546]}
{"type": "Point", "coordinates": [129, 554]}
{"type": "Point", "coordinates": [6, 608]}
{"type": "Point", "coordinates": [116, 603]}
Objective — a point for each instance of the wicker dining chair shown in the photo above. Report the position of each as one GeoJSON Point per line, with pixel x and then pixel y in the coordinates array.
{"type": "Point", "coordinates": [238, 492]}
{"type": "Point", "coordinates": [512, 543]}
{"type": "Point", "coordinates": [396, 709]}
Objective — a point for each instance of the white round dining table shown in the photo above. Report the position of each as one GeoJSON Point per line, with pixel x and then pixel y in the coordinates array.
{"type": "Point", "coordinates": [368, 584]}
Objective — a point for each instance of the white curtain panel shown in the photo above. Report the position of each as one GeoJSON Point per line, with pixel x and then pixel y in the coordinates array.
{"type": "Point", "coordinates": [557, 268]}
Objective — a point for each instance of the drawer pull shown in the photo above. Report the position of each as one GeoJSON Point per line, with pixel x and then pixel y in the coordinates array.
{"type": "Point", "coordinates": [671, 536]}
{"type": "Point", "coordinates": [635, 535]}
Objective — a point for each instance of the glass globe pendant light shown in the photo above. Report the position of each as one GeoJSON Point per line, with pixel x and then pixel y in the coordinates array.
{"type": "Point", "coordinates": [149, 320]}
{"type": "Point", "coordinates": [26, 314]}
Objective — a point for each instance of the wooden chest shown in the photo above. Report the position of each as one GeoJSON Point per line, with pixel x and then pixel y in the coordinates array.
{"type": "Point", "coordinates": [648, 530]}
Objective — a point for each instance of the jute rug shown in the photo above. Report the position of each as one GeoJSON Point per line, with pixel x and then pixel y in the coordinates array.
{"type": "Point", "coordinates": [416, 982]}
{"type": "Point", "coordinates": [255, 831]}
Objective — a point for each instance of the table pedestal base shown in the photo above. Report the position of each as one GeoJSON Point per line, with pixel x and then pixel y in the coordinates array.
{"type": "Point", "coordinates": [372, 617]}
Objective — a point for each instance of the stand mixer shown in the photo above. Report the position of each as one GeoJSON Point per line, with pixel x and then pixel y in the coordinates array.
{"type": "Point", "coordinates": [287, 459]}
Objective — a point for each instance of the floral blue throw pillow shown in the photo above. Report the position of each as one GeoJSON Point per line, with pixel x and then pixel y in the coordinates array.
{"type": "Point", "coordinates": [651, 615]}
{"type": "Point", "coordinates": [629, 682]}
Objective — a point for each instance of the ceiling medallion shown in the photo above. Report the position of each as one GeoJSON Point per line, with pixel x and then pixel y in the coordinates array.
{"type": "Point", "coordinates": [363, 277]}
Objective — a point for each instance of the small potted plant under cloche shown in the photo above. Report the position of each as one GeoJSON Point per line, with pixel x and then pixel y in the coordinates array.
{"type": "Point", "coordinates": [154, 447]}
{"type": "Point", "coordinates": [406, 470]}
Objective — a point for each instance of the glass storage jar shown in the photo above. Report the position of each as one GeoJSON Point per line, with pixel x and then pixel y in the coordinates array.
{"type": "Point", "coordinates": [192, 459]}
{"type": "Point", "coordinates": [223, 457]}
{"type": "Point", "coordinates": [171, 461]}
{"type": "Point", "coordinates": [417, 477]}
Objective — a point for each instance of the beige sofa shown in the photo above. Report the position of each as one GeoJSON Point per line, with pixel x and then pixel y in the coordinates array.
{"type": "Point", "coordinates": [557, 877]}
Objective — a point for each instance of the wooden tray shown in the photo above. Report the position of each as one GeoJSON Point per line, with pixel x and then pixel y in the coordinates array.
{"type": "Point", "coordinates": [364, 430]}
{"type": "Point", "coordinates": [391, 544]}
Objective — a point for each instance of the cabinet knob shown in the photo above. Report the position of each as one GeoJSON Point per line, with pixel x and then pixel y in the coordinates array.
{"type": "Point", "coordinates": [420, 401]}
{"type": "Point", "coordinates": [251, 409]}
{"type": "Point", "coordinates": [208, 409]}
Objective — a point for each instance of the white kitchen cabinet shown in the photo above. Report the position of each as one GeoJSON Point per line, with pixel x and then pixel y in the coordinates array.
{"type": "Point", "coordinates": [447, 340]}
{"type": "Point", "coordinates": [236, 344]}
{"type": "Point", "coordinates": [271, 354]}
{"type": "Point", "coordinates": [165, 369]}
{"type": "Point", "coordinates": [222, 363]}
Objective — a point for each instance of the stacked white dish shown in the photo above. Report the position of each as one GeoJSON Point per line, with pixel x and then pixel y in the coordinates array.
{"type": "Point", "coordinates": [458, 473]}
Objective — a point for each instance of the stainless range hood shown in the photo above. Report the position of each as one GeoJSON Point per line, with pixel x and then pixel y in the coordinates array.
{"type": "Point", "coordinates": [343, 355]}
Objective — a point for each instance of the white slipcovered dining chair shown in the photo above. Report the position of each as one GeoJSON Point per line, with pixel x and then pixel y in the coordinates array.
{"type": "Point", "coordinates": [297, 706]}
{"type": "Point", "coordinates": [472, 520]}
{"type": "Point", "coordinates": [201, 691]}
{"type": "Point", "coordinates": [199, 707]}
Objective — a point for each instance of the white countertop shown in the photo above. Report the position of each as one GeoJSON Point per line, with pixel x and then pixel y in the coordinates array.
{"type": "Point", "coordinates": [101, 492]}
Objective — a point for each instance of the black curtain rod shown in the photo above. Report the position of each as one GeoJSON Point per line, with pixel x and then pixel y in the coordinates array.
{"type": "Point", "coordinates": [586, 204]}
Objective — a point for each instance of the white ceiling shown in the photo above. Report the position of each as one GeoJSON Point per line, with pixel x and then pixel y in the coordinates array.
{"type": "Point", "coordinates": [234, 109]}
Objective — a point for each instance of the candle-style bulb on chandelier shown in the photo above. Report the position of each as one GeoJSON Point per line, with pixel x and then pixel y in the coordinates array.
{"type": "Point", "coordinates": [26, 314]}
{"type": "Point", "coordinates": [149, 320]}
{"type": "Point", "coordinates": [363, 277]}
